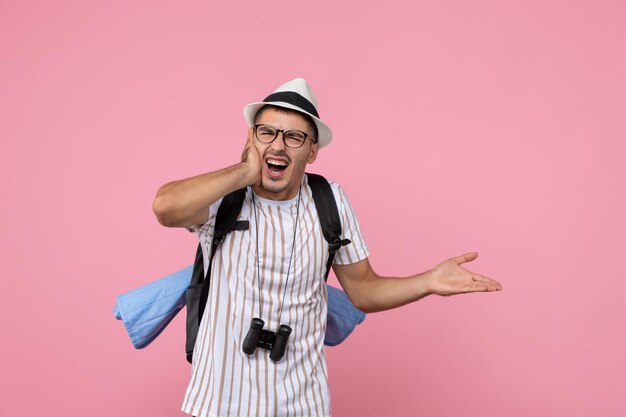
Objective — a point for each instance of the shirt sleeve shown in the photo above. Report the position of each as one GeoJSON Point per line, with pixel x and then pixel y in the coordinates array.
{"type": "Point", "coordinates": [205, 233]}
{"type": "Point", "coordinates": [357, 250]}
{"type": "Point", "coordinates": [209, 225]}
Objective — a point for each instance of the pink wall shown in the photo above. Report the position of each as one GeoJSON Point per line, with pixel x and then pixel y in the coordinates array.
{"type": "Point", "coordinates": [490, 126]}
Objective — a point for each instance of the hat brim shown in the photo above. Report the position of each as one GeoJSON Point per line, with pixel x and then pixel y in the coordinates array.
{"type": "Point", "coordinates": [324, 134]}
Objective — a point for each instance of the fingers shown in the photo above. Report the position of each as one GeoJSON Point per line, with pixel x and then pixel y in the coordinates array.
{"type": "Point", "coordinates": [468, 257]}
{"type": "Point", "coordinates": [251, 160]}
{"type": "Point", "coordinates": [473, 283]}
{"type": "Point", "coordinates": [484, 283]}
{"type": "Point", "coordinates": [478, 287]}
{"type": "Point", "coordinates": [490, 283]}
{"type": "Point", "coordinates": [479, 282]}
{"type": "Point", "coordinates": [249, 145]}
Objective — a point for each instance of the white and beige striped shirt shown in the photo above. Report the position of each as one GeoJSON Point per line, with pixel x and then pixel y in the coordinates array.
{"type": "Point", "coordinates": [224, 380]}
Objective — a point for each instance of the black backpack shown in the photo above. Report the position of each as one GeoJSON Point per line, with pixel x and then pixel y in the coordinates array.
{"type": "Point", "coordinates": [226, 221]}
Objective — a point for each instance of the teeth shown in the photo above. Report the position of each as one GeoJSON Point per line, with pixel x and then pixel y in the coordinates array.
{"type": "Point", "coordinates": [275, 162]}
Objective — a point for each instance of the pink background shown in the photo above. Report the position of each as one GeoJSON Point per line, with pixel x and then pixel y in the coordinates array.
{"type": "Point", "coordinates": [490, 126]}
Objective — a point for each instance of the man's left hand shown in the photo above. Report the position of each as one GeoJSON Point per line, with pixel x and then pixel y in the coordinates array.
{"type": "Point", "coordinates": [449, 278]}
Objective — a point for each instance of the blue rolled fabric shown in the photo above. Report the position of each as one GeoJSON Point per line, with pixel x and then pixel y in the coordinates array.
{"type": "Point", "coordinates": [147, 310]}
{"type": "Point", "coordinates": [342, 317]}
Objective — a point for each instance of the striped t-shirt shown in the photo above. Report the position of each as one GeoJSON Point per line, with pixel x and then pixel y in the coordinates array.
{"type": "Point", "coordinates": [224, 380]}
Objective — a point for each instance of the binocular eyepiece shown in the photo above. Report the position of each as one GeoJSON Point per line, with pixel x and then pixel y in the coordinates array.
{"type": "Point", "coordinates": [276, 343]}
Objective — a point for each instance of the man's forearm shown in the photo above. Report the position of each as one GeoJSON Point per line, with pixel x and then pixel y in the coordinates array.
{"type": "Point", "coordinates": [185, 203]}
{"type": "Point", "coordinates": [370, 292]}
{"type": "Point", "coordinates": [385, 293]}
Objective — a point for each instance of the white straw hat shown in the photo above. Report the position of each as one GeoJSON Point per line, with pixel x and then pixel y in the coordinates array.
{"type": "Point", "coordinates": [295, 95]}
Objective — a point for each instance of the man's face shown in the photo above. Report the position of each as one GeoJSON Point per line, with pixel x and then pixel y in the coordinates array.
{"type": "Point", "coordinates": [282, 168]}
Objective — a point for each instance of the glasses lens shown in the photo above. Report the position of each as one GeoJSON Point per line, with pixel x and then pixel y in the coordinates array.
{"type": "Point", "coordinates": [294, 138]}
{"type": "Point", "coordinates": [265, 133]}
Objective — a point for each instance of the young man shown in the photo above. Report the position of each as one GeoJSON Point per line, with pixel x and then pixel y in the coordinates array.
{"type": "Point", "coordinates": [275, 270]}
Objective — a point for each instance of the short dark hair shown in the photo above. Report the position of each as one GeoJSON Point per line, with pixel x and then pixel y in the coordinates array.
{"type": "Point", "coordinates": [308, 118]}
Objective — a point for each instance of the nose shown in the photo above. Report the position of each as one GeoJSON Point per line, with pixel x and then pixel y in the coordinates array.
{"type": "Point", "coordinates": [279, 142]}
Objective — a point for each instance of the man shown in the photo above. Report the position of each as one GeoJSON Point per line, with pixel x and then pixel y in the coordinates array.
{"type": "Point", "coordinates": [275, 270]}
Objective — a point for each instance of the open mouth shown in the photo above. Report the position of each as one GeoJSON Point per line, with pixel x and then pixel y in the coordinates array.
{"type": "Point", "coordinates": [276, 166]}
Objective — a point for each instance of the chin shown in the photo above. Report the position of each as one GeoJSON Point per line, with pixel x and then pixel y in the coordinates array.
{"type": "Point", "coordinates": [274, 186]}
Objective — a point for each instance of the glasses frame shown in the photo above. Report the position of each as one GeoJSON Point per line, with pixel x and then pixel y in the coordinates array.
{"type": "Point", "coordinates": [283, 131]}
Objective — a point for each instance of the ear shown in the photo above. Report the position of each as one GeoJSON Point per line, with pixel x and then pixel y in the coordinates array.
{"type": "Point", "coordinates": [313, 153]}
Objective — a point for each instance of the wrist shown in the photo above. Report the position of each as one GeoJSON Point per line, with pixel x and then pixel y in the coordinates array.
{"type": "Point", "coordinates": [247, 174]}
{"type": "Point", "coordinates": [423, 285]}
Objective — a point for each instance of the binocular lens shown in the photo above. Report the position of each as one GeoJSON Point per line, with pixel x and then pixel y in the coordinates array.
{"type": "Point", "coordinates": [280, 343]}
{"type": "Point", "coordinates": [252, 338]}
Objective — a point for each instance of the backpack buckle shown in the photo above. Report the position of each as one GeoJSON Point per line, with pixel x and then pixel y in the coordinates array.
{"type": "Point", "coordinates": [338, 243]}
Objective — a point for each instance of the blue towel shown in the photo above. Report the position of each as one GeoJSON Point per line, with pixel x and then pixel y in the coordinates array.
{"type": "Point", "coordinates": [342, 317]}
{"type": "Point", "coordinates": [147, 310]}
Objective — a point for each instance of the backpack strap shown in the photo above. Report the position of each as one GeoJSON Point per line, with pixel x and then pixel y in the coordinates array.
{"type": "Point", "coordinates": [329, 216]}
{"type": "Point", "coordinates": [198, 290]}
{"type": "Point", "coordinates": [225, 222]}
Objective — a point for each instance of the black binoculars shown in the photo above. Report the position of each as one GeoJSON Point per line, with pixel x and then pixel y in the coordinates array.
{"type": "Point", "coordinates": [276, 343]}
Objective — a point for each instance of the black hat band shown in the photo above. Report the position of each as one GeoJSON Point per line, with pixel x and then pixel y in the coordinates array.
{"type": "Point", "coordinates": [294, 99]}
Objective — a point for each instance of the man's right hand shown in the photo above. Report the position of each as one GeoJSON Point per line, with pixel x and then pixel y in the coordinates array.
{"type": "Point", "coordinates": [251, 160]}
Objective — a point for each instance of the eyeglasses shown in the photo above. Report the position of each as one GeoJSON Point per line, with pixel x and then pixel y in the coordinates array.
{"type": "Point", "coordinates": [292, 138]}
